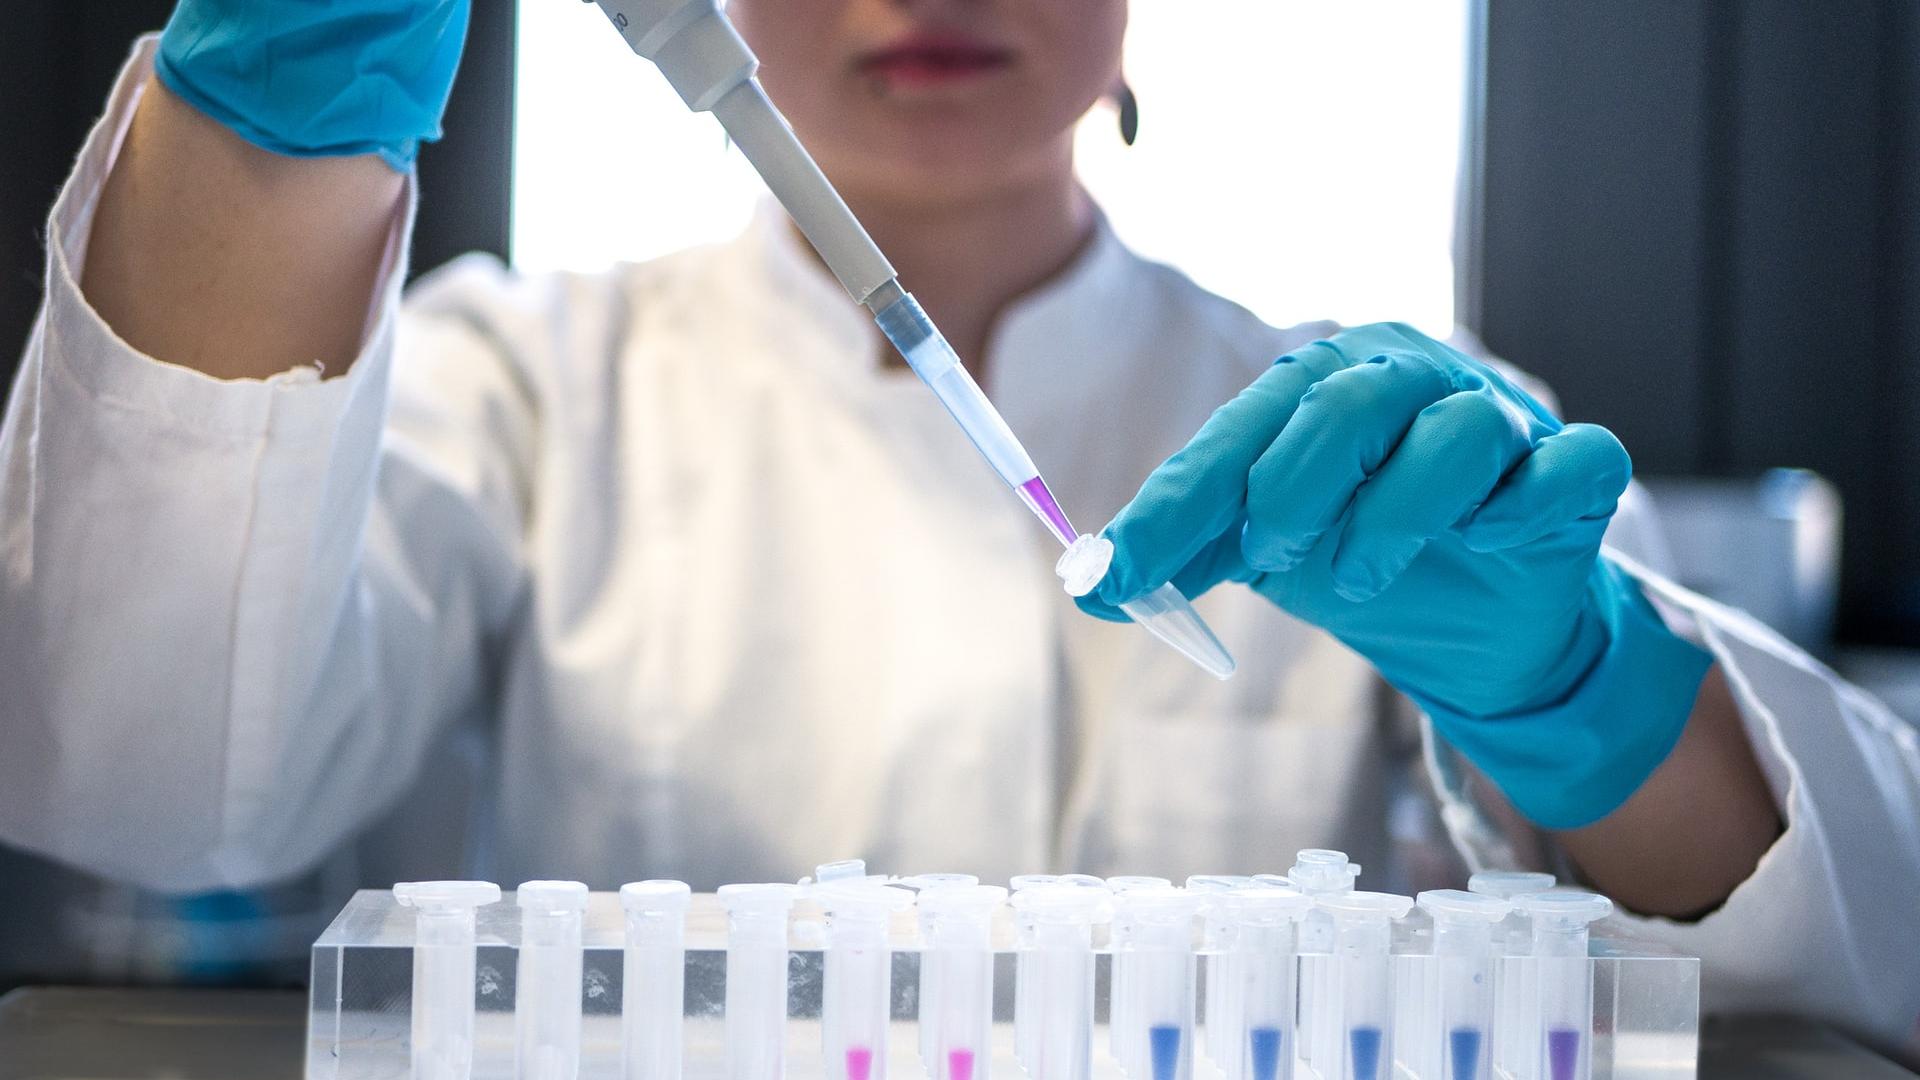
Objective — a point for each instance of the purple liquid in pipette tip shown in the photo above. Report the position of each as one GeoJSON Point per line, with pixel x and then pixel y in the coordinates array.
{"type": "Point", "coordinates": [1563, 1052]}
{"type": "Point", "coordinates": [859, 1062]}
{"type": "Point", "coordinates": [1042, 500]}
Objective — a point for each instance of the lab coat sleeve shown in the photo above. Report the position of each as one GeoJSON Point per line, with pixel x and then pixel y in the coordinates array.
{"type": "Point", "coordinates": [1824, 926]}
{"type": "Point", "coordinates": [235, 614]}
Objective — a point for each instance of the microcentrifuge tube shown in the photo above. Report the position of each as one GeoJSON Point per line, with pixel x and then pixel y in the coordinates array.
{"type": "Point", "coordinates": [1515, 997]}
{"type": "Point", "coordinates": [756, 1000]}
{"type": "Point", "coordinates": [1464, 955]}
{"type": "Point", "coordinates": [956, 979]}
{"type": "Point", "coordinates": [443, 973]}
{"type": "Point", "coordinates": [1565, 976]}
{"type": "Point", "coordinates": [1024, 1026]}
{"type": "Point", "coordinates": [1157, 964]}
{"type": "Point", "coordinates": [1126, 1040]}
{"type": "Point", "coordinates": [1166, 613]}
{"type": "Point", "coordinates": [857, 982]}
{"type": "Point", "coordinates": [653, 978]}
{"type": "Point", "coordinates": [1362, 969]}
{"type": "Point", "coordinates": [1262, 969]}
{"type": "Point", "coordinates": [1319, 872]}
{"type": "Point", "coordinates": [547, 988]}
{"type": "Point", "coordinates": [1058, 998]}
{"type": "Point", "coordinates": [929, 992]}
{"type": "Point", "coordinates": [1216, 935]}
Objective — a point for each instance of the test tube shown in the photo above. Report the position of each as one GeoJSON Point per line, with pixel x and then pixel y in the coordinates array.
{"type": "Point", "coordinates": [443, 976]}
{"type": "Point", "coordinates": [1464, 953]}
{"type": "Point", "coordinates": [1122, 1032]}
{"type": "Point", "coordinates": [1560, 921]}
{"type": "Point", "coordinates": [856, 991]}
{"type": "Point", "coordinates": [1058, 1003]}
{"type": "Point", "coordinates": [1216, 934]}
{"type": "Point", "coordinates": [1319, 872]}
{"type": "Point", "coordinates": [1157, 961]}
{"type": "Point", "coordinates": [1025, 1027]}
{"type": "Point", "coordinates": [653, 978]}
{"type": "Point", "coordinates": [1261, 967]}
{"type": "Point", "coordinates": [756, 1004]}
{"type": "Point", "coordinates": [1362, 969]}
{"type": "Point", "coordinates": [1515, 1000]}
{"type": "Point", "coordinates": [546, 997]}
{"type": "Point", "coordinates": [1514, 936]}
{"type": "Point", "coordinates": [921, 883]}
{"type": "Point", "coordinates": [956, 980]}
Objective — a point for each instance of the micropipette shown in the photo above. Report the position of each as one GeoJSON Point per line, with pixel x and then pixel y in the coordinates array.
{"type": "Point", "coordinates": [1258, 1021]}
{"type": "Point", "coordinates": [956, 980]}
{"type": "Point", "coordinates": [1565, 979]}
{"type": "Point", "coordinates": [443, 973]}
{"type": "Point", "coordinates": [712, 70]}
{"type": "Point", "coordinates": [1216, 935]}
{"type": "Point", "coordinates": [653, 978]}
{"type": "Point", "coordinates": [1464, 953]}
{"type": "Point", "coordinates": [857, 981]}
{"type": "Point", "coordinates": [1157, 961]}
{"type": "Point", "coordinates": [1056, 1004]}
{"type": "Point", "coordinates": [756, 1002]}
{"type": "Point", "coordinates": [546, 998]}
{"type": "Point", "coordinates": [1362, 965]}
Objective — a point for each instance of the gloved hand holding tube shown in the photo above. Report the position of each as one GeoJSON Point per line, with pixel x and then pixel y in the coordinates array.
{"type": "Point", "coordinates": [1441, 522]}
{"type": "Point", "coordinates": [307, 78]}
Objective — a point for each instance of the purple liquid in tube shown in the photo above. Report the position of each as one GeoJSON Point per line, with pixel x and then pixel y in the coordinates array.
{"type": "Point", "coordinates": [1563, 1053]}
{"type": "Point", "coordinates": [1037, 496]}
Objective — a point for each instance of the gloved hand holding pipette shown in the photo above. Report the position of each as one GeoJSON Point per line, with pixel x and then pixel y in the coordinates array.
{"type": "Point", "coordinates": [1440, 521]}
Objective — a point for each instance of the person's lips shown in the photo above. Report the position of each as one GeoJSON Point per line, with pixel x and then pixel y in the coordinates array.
{"type": "Point", "coordinates": [934, 59]}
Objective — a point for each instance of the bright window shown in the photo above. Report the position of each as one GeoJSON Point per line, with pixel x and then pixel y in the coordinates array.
{"type": "Point", "coordinates": [1298, 157]}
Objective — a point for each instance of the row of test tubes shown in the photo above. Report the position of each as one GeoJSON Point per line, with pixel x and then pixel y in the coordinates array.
{"type": "Point", "coordinates": [1300, 982]}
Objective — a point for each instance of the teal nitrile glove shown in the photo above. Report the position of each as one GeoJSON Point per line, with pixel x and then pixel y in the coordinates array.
{"type": "Point", "coordinates": [318, 78]}
{"type": "Point", "coordinates": [1424, 510]}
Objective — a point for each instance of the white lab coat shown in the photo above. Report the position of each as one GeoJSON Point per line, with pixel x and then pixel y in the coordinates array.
{"type": "Point", "coordinates": [730, 597]}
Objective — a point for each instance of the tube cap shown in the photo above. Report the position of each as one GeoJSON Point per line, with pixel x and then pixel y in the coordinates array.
{"type": "Point", "coordinates": [1360, 905]}
{"type": "Point", "coordinates": [656, 895]}
{"type": "Point", "coordinates": [1507, 884]}
{"type": "Point", "coordinates": [1130, 882]}
{"type": "Point", "coordinates": [1564, 910]}
{"type": "Point", "coordinates": [775, 898]}
{"type": "Point", "coordinates": [961, 901]}
{"type": "Point", "coordinates": [1063, 903]}
{"type": "Point", "coordinates": [446, 895]}
{"type": "Point", "coordinates": [1266, 906]}
{"type": "Point", "coordinates": [1318, 871]}
{"type": "Point", "coordinates": [922, 882]}
{"type": "Point", "coordinates": [861, 899]}
{"type": "Point", "coordinates": [1453, 905]}
{"type": "Point", "coordinates": [551, 897]}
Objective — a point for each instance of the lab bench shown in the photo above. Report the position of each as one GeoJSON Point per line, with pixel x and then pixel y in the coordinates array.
{"type": "Point", "coordinates": [69, 1033]}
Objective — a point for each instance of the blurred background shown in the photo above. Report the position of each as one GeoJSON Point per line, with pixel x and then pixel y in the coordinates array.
{"type": "Point", "coordinates": [1697, 220]}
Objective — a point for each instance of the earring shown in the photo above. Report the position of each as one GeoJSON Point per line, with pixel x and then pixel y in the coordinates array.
{"type": "Point", "coordinates": [1129, 113]}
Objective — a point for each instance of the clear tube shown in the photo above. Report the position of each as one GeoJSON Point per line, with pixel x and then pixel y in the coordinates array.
{"type": "Point", "coordinates": [1464, 954]}
{"type": "Point", "coordinates": [1159, 965]}
{"type": "Point", "coordinates": [1216, 937]}
{"type": "Point", "coordinates": [1514, 997]}
{"type": "Point", "coordinates": [1262, 968]}
{"type": "Point", "coordinates": [930, 988]}
{"type": "Point", "coordinates": [1362, 967]}
{"type": "Point", "coordinates": [1164, 612]}
{"type": "Point", "coordinates": [1026, 966]}
{"type": "Point", "coordinates": [1058, 1000]}
{"type": "Point", "coordinates": [956, 980]}
{"type": "Point", "coordinates": [443, 973]}
{"type": "Point", "coordinates": [856, 990]}
{"type": "Point", "coordinates": [1319, 872]}
{"type": "Point", "coordinates": [547, 987]}
{"type": "Point", "coordinates": [1514, 936]}
{"type": "Point", "coordinates": [653, 979]}
{"type": "Point", "coordinates": [1124, 1034]}
{"type": "Point", "coordinates": [756, 1000]}
{"type": "Point", "coordinates": [1565, 975]}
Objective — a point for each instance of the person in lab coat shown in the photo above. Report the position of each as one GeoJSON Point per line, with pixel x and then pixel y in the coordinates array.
{"type": "Point", "coordinates": [727, 593]}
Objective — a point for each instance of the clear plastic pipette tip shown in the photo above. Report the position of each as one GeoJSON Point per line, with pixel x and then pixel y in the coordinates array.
{"type": "Point", "coordinates": [1165, 613]}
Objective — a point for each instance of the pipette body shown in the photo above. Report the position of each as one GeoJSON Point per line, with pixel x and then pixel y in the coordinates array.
{"type": "Point", "coordinates": [708, 64]}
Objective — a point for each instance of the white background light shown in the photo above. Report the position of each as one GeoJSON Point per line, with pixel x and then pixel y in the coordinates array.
{"type": "Point", "coordinates": [1299, 157]}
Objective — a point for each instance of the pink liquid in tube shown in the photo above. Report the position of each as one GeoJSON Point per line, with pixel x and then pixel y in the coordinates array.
{"type": "Point", "coordinates": [959, 1065]}
{"type": "Point", "coordinates": [1035, 494]}
{"type": "Point", "coordinates": [859, 1062]}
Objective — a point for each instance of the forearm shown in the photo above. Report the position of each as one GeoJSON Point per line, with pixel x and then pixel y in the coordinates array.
{"type": "Point", "coordinates": [213, 254]}
{"type": "Point", "coordinates": [1695, 829]}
